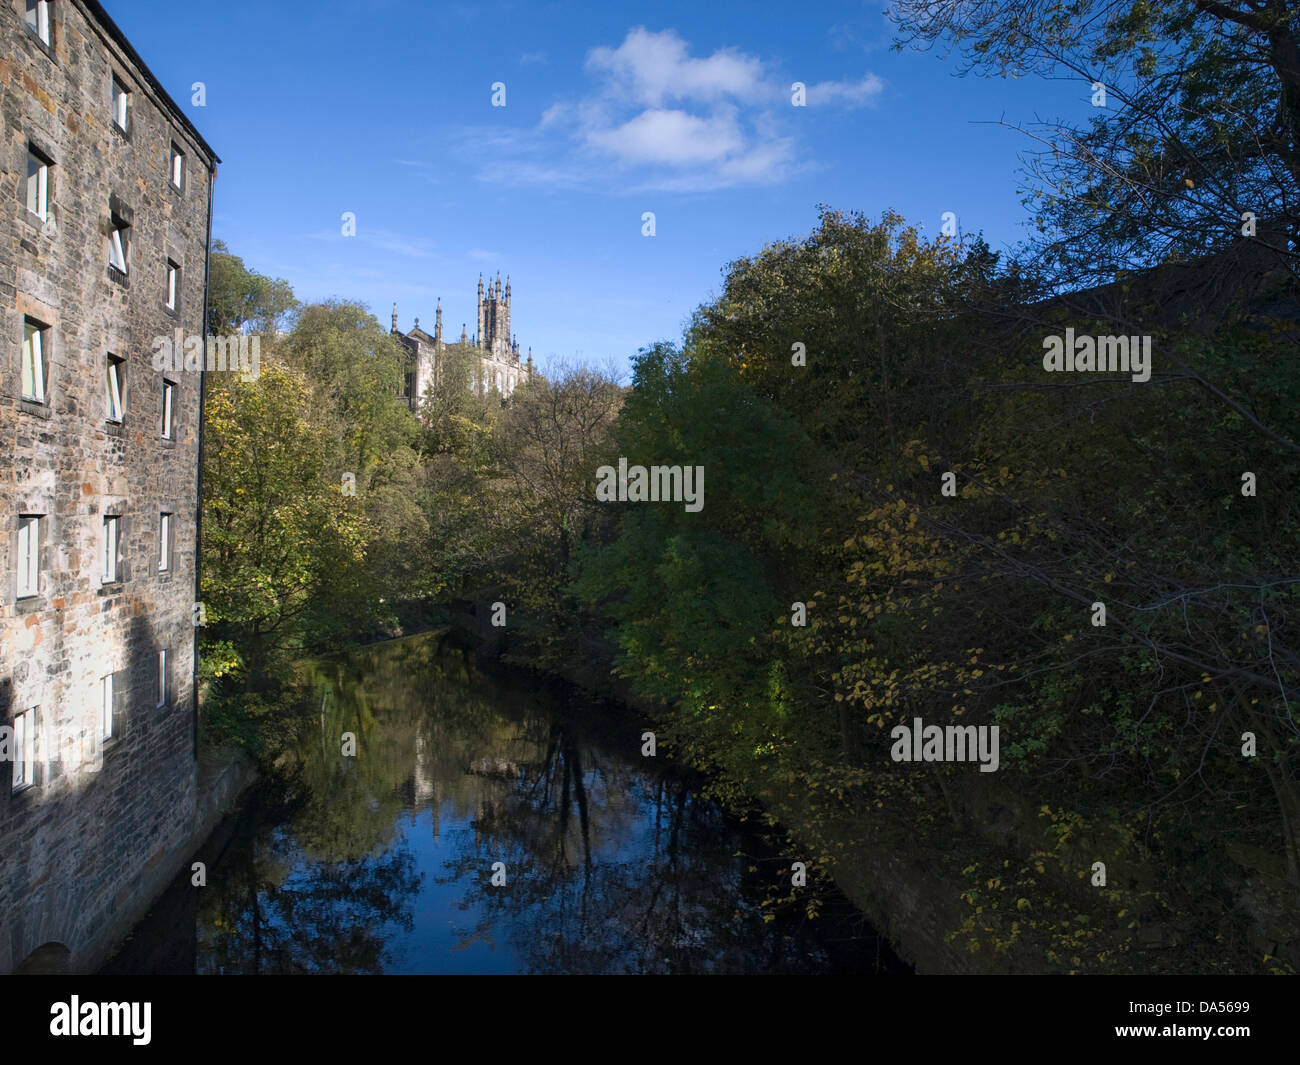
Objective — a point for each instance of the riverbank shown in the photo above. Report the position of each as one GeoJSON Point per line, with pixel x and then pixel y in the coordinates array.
{"type": "Point", "coordinates": [223, 778]}
{"type": "Point", "coordinates": [912, 881]}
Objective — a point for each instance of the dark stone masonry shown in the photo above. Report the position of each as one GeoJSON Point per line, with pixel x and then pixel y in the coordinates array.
{"type": "Point", "coordinates": [103, 246]}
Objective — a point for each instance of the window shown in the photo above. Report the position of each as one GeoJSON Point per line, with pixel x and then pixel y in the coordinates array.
{"type": "Point", "coordinates": [121, 105]}
{"type": "Point", "coordinates": [168, 402]}
{"type": "Point", "coordinates": [38, 184]}
{"type": "Point", "coordinates": [120, 243]}
{"type": "Point", "coordinates": [164, 542]}
{"type": "Point", "coordinates": [24, 749]}
{"type": "Point", "coordinates": [29, 555]}
{"type": "Point", "coordinates": [176, 168]}
{"type": "Point", "coordinates": [112, 536]}
{"type": "Point", "coordinates": [173, 284]}
{"type": "Point", "coordinates": [33, 373]}
{"type": "Point", "coordinates": [106, 706]}
{"type": "Point", "coordinates": [38, 18]}
{"type": "Point", "coordinates": [114, 387]}
{"type": "Point", "coordinates": [162, 677]}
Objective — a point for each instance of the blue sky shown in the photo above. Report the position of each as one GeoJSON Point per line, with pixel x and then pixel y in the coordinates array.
{"type": "Point", "coordinates": [385, 109]}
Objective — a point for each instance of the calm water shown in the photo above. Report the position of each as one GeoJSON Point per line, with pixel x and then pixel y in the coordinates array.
{"type": "Point", "coordinates": [383, 862]}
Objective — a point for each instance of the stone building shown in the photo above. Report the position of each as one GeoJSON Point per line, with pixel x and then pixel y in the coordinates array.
{"type": "Point", "coordinates": [492, 352]}
{"type": "Point", "coordinates": [105, 219]}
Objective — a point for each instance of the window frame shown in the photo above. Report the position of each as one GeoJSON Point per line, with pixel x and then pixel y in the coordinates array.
{"type": "Point", "coordinates": [172, 300]}
{"type": "Point", "coordinates": [176, 168]}
{"type": "Point", "coordinates": [168, 410]}
{"type": "Point", "coordinates": [110, 549]}
{"type": "Point", "coordinates": [43, 175]}
{"type": "Point", "coordinates": [115, 383]}
{"type": "Point", "coordinates": [119, 91]}
{"type": "Point", "coordinates": [28, 562]}
{"type": "Point", "coordinates": [41, 8]}
{"type": "Point", "coordinates": [165, 533]}
{"type": "Point", "coordinates": [119, 246]}
{"type": "Point", "coordinates": [163, 691]}
{"type": "Point", "coordinates": [40, 376]}
{"type": "Point", "coordinates": [25, 763]}
{"type": "Point", "coordinates": [107, 699]}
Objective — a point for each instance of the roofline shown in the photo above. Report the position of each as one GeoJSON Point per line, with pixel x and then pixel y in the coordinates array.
{"type": "Point", "coordinates": [97, 10]}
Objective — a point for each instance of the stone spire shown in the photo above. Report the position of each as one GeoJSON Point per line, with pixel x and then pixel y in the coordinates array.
{"type": "Point", "coordinates": [505, 313]}
{"type": "Point", "coordinates": [437, 323]}
{"type": "Point", "coordinates": [481, 319]}
{"type": "Point", "coordinates": [464, 336]}
{"type": "Point", "coordinates": [394, 317]}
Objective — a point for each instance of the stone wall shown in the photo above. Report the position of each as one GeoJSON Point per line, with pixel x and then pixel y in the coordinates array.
{"type": "Point", "coordinates": [103, 817]}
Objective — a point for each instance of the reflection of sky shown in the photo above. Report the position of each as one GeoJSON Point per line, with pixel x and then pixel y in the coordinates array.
{"type": "Point", "coordinates": [445, 915]}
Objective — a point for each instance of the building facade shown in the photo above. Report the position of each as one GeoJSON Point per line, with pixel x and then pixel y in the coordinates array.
{"type": "Point", "coordinates": [105, 219]}
{"type": "Point", "coordinates": [492, 353]}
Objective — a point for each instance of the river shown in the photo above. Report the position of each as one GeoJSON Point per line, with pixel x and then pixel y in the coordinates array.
{"type": "Point", "coordinates": [487, 823]}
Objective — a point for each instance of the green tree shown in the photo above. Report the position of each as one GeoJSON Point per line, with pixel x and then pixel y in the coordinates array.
{"type": "Point", "coordinates": [275, 522]}
{"type": "Point", "coordinates": [238, 296]}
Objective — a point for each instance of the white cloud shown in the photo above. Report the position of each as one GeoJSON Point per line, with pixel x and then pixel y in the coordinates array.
{"type": "Point", "coordinates": [672, 137]}
{"type": "Point", "coordinates": [851, 93]}
{"type": "Point", "coordinates": [652, 68]}
{"type": "Point", "coordinates": [658, 118]}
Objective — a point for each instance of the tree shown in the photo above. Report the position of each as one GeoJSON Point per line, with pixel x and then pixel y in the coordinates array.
{"type": "Point", "coordinates": [547, 443]}
{"type": "Point", "coordinates": [238, 296]}
{"type": "Point", "coordinates": [1201, 123]}
{"type": "Point", "coordinates": [275, 522]}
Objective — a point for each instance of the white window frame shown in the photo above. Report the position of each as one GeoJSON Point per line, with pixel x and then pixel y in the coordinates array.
{"type": "Point", "coordinates": [33, 369]}
{"type": "Point", "coordinates": [109, 544]}
{"type": "Point", "coordinates": [176, 168]}
{"type": "Point", "coordinates": [106, 706]}
{"type": "Point", "coordinates": [24, 747]}
{"type": "Point", "coordinates": [162, 676]}
{"type": "Point", "coordinates": [38, 18]}
{"type": "Point", "coordinates": [164, 542]}
{"type": "Point", "coordinates": [169, 410]}
{"type": "Point", "coordinates": [173, 284]}
{"type": "Point", "coordinates": [119, 246]}
{"type": "Point", "coordinates": [29, 556]}
{"type": "Point", "coordinates": [121, 104]}
{"type": "Point", "coordinates": [114, 392]}
{"type": "Point", "coordinates": [38, 184]}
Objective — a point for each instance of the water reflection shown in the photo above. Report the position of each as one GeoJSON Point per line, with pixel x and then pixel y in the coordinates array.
{"type": "Point", "coordinates": [383, 862]}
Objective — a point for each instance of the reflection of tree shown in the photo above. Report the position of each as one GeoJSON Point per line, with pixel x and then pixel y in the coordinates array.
{"type": "Point", "coordinates": [618, 870]}
{"type": "Point", "coordinates": [274, 911]}
{"type": "Point", "coordinates": [614, 863]}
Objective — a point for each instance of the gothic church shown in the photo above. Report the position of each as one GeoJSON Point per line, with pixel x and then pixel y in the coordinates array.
{"type": "Point", "coordinates": [493, 351]}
